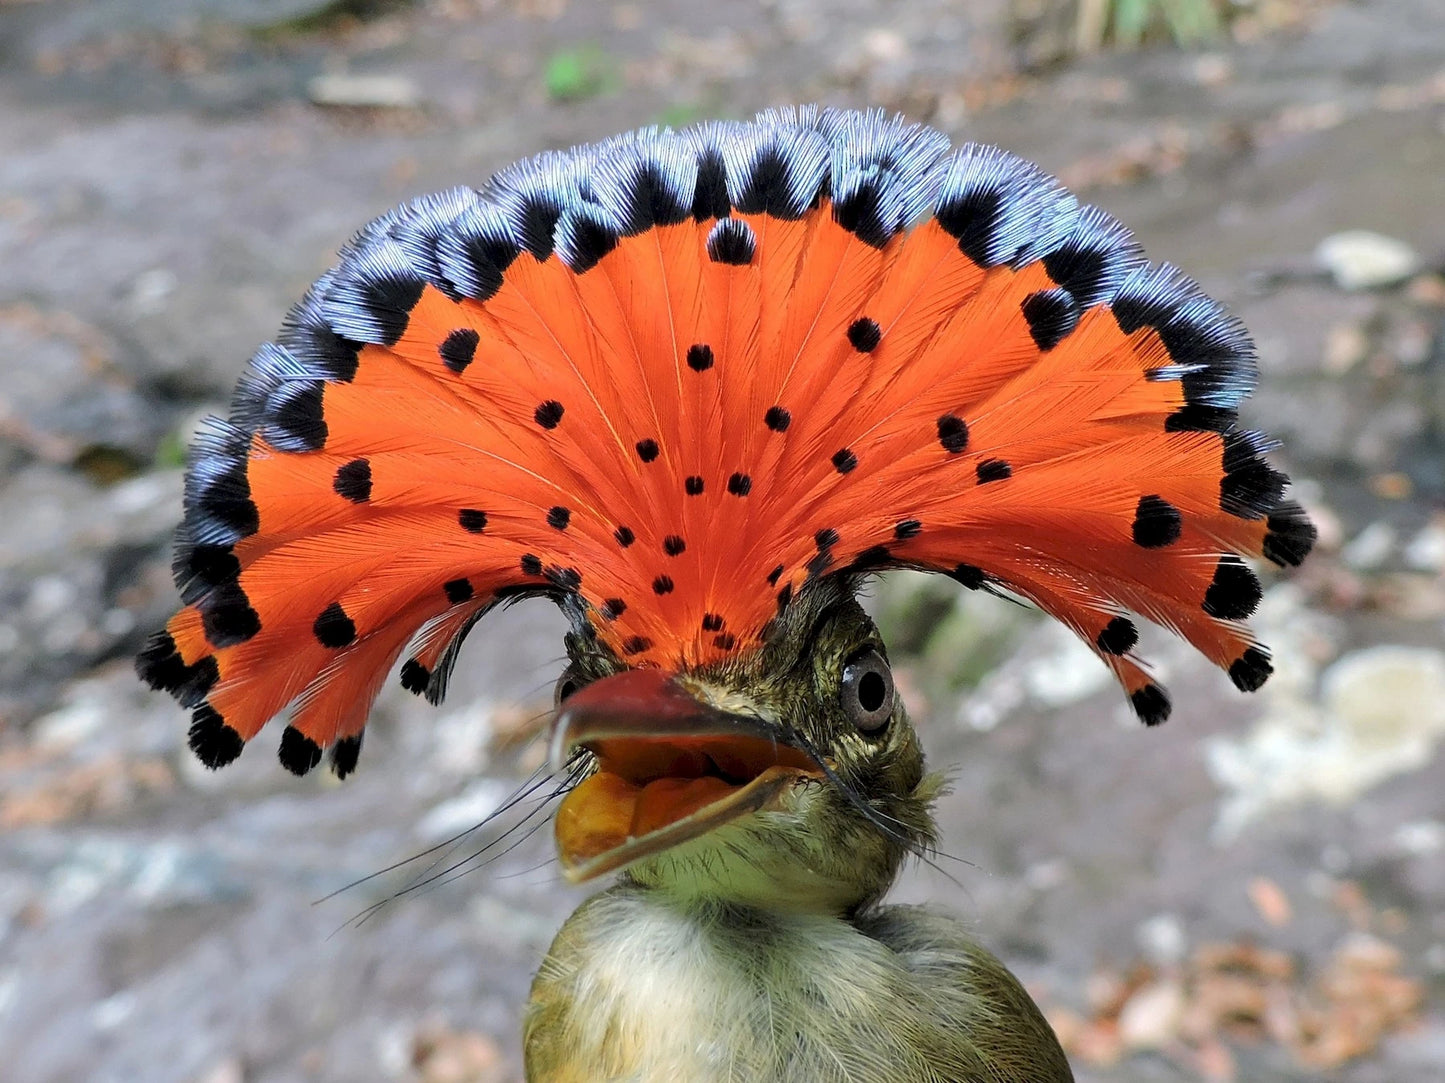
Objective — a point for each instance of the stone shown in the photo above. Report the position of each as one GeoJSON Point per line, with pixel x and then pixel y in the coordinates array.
{"type": "Point", "coordinates": [1359, 259]}
{"type": "Point", "coordinates": [364, 91]}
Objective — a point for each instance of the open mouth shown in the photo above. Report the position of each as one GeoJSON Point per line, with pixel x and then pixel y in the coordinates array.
{"type": "Point", "coordinates": [669, 769]}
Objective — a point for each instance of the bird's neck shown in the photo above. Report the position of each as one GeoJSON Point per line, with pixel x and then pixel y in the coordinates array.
{"type": "Point", "coordinates": [647, 984]}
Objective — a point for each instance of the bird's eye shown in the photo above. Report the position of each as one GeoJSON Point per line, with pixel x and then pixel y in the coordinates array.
{"type": "Point", "coordinates": [867, 692]}
{"type": "Point", "coordinates": [566, 685]}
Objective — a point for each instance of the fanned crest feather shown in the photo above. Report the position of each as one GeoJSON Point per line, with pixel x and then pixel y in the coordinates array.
{"type": "Point", "coordinates": [671, 378]}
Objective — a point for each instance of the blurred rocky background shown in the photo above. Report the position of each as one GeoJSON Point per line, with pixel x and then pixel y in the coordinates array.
{"type": "Point", "coordinates": [1255, 892]}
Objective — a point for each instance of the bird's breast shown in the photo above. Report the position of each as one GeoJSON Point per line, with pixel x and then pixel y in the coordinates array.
{"type": "Point", "coordinates": [638, 987]}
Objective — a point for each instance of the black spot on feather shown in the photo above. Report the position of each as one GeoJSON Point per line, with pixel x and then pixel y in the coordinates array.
{"type": "Point", "coordinates": [740, 485]}
{"type": "Point", "coordinates": [993, 470]}
{"type": "Point", "coordinates": [778, 419]}
{"type": "Point", "coordinates": [226, 503]}
{"type": "Point", "coordinates": [693, 485]}
{"type": "Point", "coordinates": [1157, 522]}
{"type": "Point", "coordinates": [953, 433]}
{"type": "Point", "coordinates": [198, 568]}
{"type": "Point", "coordinates": [1251, 669]}
{"type": "Point", "coordinates": [844, 461]}
{"type": "Point", "coordinates": [864, 335]}
{"type": "Point", "coordinates": [298, 753]}
{"type": "Point", "coordinates": [592, 240]}
{"type": "Point", "coordinates": [612, 608]}
{"type": "Point", "coordinates": [344, 754]}
{"type": "Point", "coordinates": [907, 528]}
{"type": "Point", "coordinates": [214, 743]}
{"type": "Point", "coordinates": [333, 628]}
{"type": "Point", "coordinates": [458, 348]}
{"type": "Point", "coordinates": [652, 201]}
{"type": "Point", "coordinates": [558, 517]}
{"type": "Point", "coordinates": [673, 545]}
{"type": "Point", "coordinates": [1197, 417]}
{"type": "Point", "coordinates": [731, 241]}
{"type": "Point", "coordinates": [969, 575]}
{"type": "Point", "coordinates": [161, 666]}
{"type": "Point", "coordinates": [699, 357]}
{"type": "Point", "coordinates": [1249, 488]}
{"type": "Point", "coordinates": [1151, 704]}
{"type": "Point", "coordinates": [973, 218]}
{"type": "Point", "coordinates": [710, 194]}
{"type": "Point", "coordinates": [647, 450]}
{"type": "Point", "coordinates": [1051, 315]}
{"type": "Point", "coordinates": [295, 419]}
{"type": "Point", "coordinates": [458, 590]}
{"type": "Point", "coordinates": [860, 213]}
{"type": "Point", "coordinates": [765, 189]}
{"type": "Point", "coordinates": [353, 481]}
{"type": "Point", "coordinates": [623, 536]}
{"type": "Point", "coordinates": [227, 617]}
{"type": "Point", "coordinates": [385, 298]}
{"type": "Point", "coordinates": [1289, 535]}
{"type": "Point", "coordinates": [415, 677]}
{"type": "Point", "coordinates": [1118, 637]}
{"type": "Point", "coordinates": [549, 414]}
{"type": "Point", "coordinates": [1086, 273]}
{"type": "Point", "coordinates": [1234, 593]}
{"type": "Point", "coordinates": [472, 520]}
{"type": "Point", "coordinates": [1197, 333]}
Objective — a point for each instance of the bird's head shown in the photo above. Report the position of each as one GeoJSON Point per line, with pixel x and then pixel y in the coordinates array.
{"type": "Point", "coordinates": [788, 777]}
{"type": "Point", "coordinates": [692, 386]}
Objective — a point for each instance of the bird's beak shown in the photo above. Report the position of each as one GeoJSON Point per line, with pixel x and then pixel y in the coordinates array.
{"type": "Point", "coordinates": [669, 768]}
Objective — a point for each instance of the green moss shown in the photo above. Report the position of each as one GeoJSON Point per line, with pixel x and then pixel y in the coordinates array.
{"type": "Point", "coordinates": [577, 74]}
{"type": "Point", "coordinates": [171, 451]}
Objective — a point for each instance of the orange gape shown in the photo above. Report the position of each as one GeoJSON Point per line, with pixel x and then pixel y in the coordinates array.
{"type": "Point", "coordinates": [672, 378]}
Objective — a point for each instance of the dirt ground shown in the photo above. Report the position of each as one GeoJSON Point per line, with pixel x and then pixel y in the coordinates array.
{"type": "Point", "coordinates": [1256, 891]}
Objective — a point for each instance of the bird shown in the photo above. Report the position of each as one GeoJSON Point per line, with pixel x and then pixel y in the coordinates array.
{"type": "Point", "coordinates": [698, 387]}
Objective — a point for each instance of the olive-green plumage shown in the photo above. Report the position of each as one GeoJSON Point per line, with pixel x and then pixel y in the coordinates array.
{"type": "Point", "coordinates": [759, 952]}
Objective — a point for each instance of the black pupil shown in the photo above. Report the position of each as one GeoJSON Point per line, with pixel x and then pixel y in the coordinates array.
{"type": "Point", "coordinates": [871, 690]}
{"type": "Point", "coordinates": [567, 688]}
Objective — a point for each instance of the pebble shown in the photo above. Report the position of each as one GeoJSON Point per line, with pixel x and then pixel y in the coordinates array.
{"type": "Point", "coordinates": [1359, 259]}
{"type": "Point", "coordinates": [1419, 837]}
{"type": "Point", "coordinates": [1370, 548]}
{"type": "Point", "coordinates": [1380, 712]}
{"type": "Point", "coordinates": [1162, 939]}
{"type": "Point", "coordinates": [364, 91]}
{"type": "Point", "coordinates": [1150, 1018]}
{"type": "Point", "coordinates": [1426, 550]}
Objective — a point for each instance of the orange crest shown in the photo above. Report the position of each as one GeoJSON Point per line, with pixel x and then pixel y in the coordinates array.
{"type": "Point", "coordinates": [671, 378]}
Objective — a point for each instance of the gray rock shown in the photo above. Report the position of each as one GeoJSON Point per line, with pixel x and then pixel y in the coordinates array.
{"type": "Point", "coordinates": [1360, 259]}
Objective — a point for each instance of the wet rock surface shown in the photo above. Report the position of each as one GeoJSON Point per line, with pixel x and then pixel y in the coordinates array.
{"type": "Point", "coordinates": [1212, 900]}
